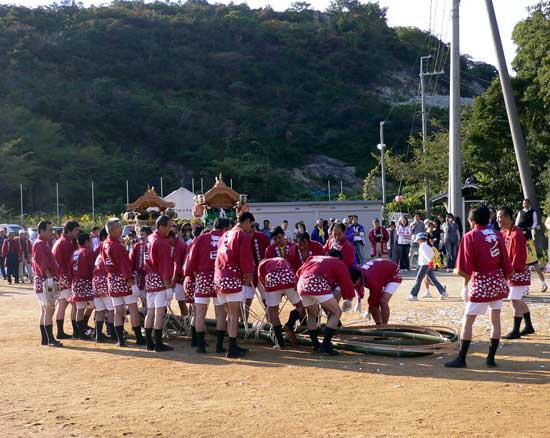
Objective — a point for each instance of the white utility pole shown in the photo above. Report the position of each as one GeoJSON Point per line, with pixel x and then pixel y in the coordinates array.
{"type": "Point", "coordinates": [193, 185]}
{"type": "Point", "coordinates": [455, 154]}
{"type": "Point", "coordinates": [161, 188]}
{"type": "Point", "coordinates": [57, 201]}
{"type": "Point", "coordinates": [513, 119]}
{"type": "Point", "coordinates": [21, 193]}
{"type": "Point", "coordinates": [93, 204]}
{"type": "Point", "coordinates": [427, 199]}
{"type": "Point", "coordinates": [328, 184]}
{"type": "Point", "coordinates": [127, 193]}
{"type": "Point", "coordinates": [382, 147]}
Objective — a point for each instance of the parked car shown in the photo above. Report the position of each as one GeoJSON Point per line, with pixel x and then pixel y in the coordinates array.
{"type": "Point", "coordinates": [11, 228]}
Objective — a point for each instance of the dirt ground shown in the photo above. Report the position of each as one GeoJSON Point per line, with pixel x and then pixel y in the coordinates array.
{"type": "Point", "coordinates": [89, 390]}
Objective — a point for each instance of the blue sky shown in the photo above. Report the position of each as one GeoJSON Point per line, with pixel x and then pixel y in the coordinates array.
{"type": "Point", "coordinates": [475, 37]}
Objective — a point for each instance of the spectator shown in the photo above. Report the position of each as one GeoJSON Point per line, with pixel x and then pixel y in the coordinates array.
{"type": "Point", "coordinates": [355, 233]}
{"type": "Point", "coordinates": [425, 268]}
{"type": "Point", "coordinates": [266, 230]}
{"type": "Point", "coordinates": [378, 237]}
{"type": "Point", "coordinates": [12, 254]}
{"type": "Point", "coordinates": [187, 236]}
{"type": "Point", "coordinates": [25, 258]}
{"type": "Point", "coordinates": [451, 240]}
{"type": "Point", "coordinates": [320, 232]}
{"type": "Point", "coordinates": [2, 259]}
{"type": "Point", "coordinates": [392, 242]}
{"type": "Point", "coordinates": [493, 224]}
{"type": "Point", "coordinates": [94, 237]}
{"type": "Point", "coordinates": [404, 236]}
{"type": "Point", "coordinates": [288, 234]}
{"type": "Point", "coordinates": [417, 226]}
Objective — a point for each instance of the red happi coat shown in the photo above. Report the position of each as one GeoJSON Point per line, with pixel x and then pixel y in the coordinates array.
{"type": "Point", "coordinates": [137, 258]}
{"type": "Point", "coordinates": [63, 252]}
{"type": "Point", "coordinates": [25, 247]}
{"type": "Point", "coordinates": [516, 245]}
{"type": "Point", "coordinates": [376, 274]}
{"type": "Point", "coordinates": [201, 263]}
{"type": "Point", "coordinates": [320, 275]}
{"type": "Point", "coordinates": [372, 239]}
{"type": "Point", "coordinates": [179, 255]}
{"type": "Point", "coordinates": [482, 255]}
{"type": "Point", "coordinates": [276, 274]}
{"type": "Point", "coordinates": [82, 267]}
{"type": "Point", "coordinates": [11, 246]}
{"type": "Point", "coordinates": [189, 277]}
{"type": "Point", "coordinates": [42, 260]}
{"type": "Point", "coordinates": [260, 242]}
{"type": "Point", "coordinates": [159, 265]}
{"type": "Point", "coordinates": [99, 279]}
{"type": "Point", "coordinates": [118, 266]}
{"type": "Point", "coordinates": [296, 258]}
{"type": "Point", "coordinates": [234, 261]}
{"type": "Point", "coordinates": [346, 248]}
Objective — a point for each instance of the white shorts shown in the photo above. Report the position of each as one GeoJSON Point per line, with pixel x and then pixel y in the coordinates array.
{"type": "Point", "coordinates": [41, 299]}
{"type": "Point", "coordinates": [248, 292]}
{"type": "Point", "coordinates": [391, 288]}
{"type": "Point", "coordinates": [312, 300]}
{"type": "Point", "coordinates": [229, 298]}
{"type": "Point", "coordinates": [128, 299]}
{"type": "Point", "coordinates": [273, 299]}
{"type": "Point", "coordinates": [156, 300]}
{"type": "Point", "coordinates": [179, 293]}
{"type": "Point", "coordinates": [83, 304]}
{"type": "Point", "coordinates": [481, 308]}
{"type": "Point", "coordinates": [65, 294]}
{"type": "Point", "coordinates": [206, 300]}
{"type": "Point", "coordinates": [103, 303]}
{"type": "Point", "coordinates": [518, 292]}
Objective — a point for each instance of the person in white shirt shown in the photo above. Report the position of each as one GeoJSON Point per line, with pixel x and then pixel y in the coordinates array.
{"type": "Point", "coordinates": [289, 235]}
{"type": "Point", "coordinates": [404, 242]}
{"type": "Point", "coordinates": [425, 267]}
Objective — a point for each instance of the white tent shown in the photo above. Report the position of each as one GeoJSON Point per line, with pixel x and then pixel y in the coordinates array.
{"type": "Point", "coordinates": [183, 199]}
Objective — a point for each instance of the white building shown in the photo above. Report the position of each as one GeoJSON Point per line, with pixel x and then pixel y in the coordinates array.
{"type": "Point", "coordinates": [310, 211]}
{"type": "Point", "coordinates": [183, 199]}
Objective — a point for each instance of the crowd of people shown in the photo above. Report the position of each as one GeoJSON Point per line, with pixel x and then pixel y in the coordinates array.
{"type": "Point", "coordinates": [231, 264]}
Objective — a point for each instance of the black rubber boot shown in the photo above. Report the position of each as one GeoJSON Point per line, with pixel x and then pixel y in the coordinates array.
{"type": "Point", "coordinates": [44, 335]}
{"type": "Point", "coordinates": [460, 361]}
{"type": "Point", "coordinates": [119, 330]}
{"type": "Point", "coordinates": [76, 329]}
{"type": "Point", "coordinates": [60, 333]}
{"type": "Point", "coordinates": [313, 334]}
{"type": "Point", "coordinates": [529, 329]}
{"type": "Point", "coordinates": [200, 343]}
{"type": "Point", "coordinates": [82, 331]}
{"type": "Point", "coordinates": [514, 334]}
{"type": "Point", "coordinates": [52, 342]}
{"type": "Point", "coordinates": [194, 342]}
{"type": "Point", "coordinates": [493, 346]}
{"type": "Point", "coordinates": [159, 345]}
{"type": "Point", "coordinates": [279, 335]}
{"type": "Point", "coordinates": [149, 339]}
{"type": "Point", "coordinates": [111, 332]}
{"type": "Point", "coordinates": [292, 318]}
{"type": "Point", "coordinates": [86, 322]}
{"type": "Point", "coordinates": [326, 346]}
{"type": "Point", "coordinates": [234, 352]}
{"type": "Point", "coordinates": [140, 340]}
{"type": "Point", "coordinates": [219, 341]}
{"type": "Point", "coordinates": [99, 336]}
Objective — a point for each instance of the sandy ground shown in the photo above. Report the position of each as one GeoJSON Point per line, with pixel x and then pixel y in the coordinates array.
{"type": "Point", "coordinates": [89, 390]}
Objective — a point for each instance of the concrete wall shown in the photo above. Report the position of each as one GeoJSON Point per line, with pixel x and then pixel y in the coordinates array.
{"type": "Point", "coordinates": [308, 212]}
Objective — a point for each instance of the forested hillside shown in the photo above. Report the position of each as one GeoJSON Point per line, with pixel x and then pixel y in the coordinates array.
{"type": "Point", "coordinates": [135, 91]}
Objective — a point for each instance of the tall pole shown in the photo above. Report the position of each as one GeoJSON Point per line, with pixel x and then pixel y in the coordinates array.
{"type": "Point", "coordinates": [127, 193]}
{"type": "Point", "coordinates": [328, 185]}
{"type": "Point", "coordinates": [382, 146]}
{"type": "Point", "coordinates": [202, 185]}
{"type": "Point", "coordinates": [341, 186]}
{"type": "Point", "coordinates": [231, 182]}
{"type": "Point", "coordinates": [455, 155]}
{"type": "Point", "coordinates": [427, 199]}
{"type": "Point", "coordinates": [161, 188]}
{"type": "Point", "coordinates": [513, 119]}
{"type": "Point", "coordinates": [193, 185]}
{"type": "Point", "coordinates": [57, 201]}
{"type": "Point", "coordinates": [93, 204]}
{"type": "Point", "coordinates": [21, 193]}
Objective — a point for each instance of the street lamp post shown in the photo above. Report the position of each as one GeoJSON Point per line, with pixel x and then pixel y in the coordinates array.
{"type": "Point", "coordinates": [381, 146]}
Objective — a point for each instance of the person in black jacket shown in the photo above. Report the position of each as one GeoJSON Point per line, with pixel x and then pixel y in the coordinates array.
{"type": "Point", "coordinates": [2, 260]}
